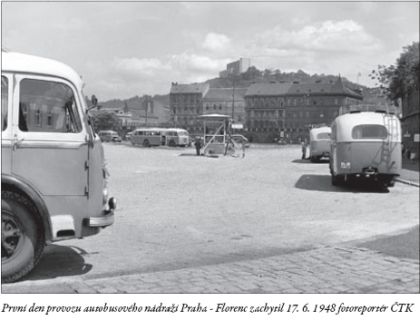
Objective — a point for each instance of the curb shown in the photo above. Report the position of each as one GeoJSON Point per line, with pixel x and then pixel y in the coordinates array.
{"type": "Point", "coordinates": [411, 183]}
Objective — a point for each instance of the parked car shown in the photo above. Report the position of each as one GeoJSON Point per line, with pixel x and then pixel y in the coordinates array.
{"type": "Point", "coordinates": [109, 136]}
{"type": "Point", "coordinates": [128, 135]}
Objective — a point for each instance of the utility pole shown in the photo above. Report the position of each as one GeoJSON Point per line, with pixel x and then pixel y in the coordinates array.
{"type": "Point", "coordinates": [146, 102]}
{"type": "Point", "coordinates": [233, 97]}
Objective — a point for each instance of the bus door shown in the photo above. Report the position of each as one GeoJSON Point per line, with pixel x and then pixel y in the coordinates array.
{"type": "Point", "coordinates": [49, 142]}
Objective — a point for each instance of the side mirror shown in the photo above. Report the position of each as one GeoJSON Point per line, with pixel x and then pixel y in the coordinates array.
{"type": "Point", "coordinates": [94, 103]}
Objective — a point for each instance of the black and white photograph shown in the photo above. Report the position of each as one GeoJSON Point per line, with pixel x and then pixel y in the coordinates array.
{"type": "Point", "coordinates": [210, 148]}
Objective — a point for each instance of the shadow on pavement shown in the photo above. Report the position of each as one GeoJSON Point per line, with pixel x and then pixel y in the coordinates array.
{"type": "Point", "coordinates": [301, 161]}
{"type": "Point", "coordinates": [60, 261]}
{"type": "Point", "coordinates": [323, 183]}
{"type": "Point", "coordinates": [404, 245]}
{"type": "Point", "coordinates": [189, 155]}
{"type": "Point", "coordinates": [309, 161]}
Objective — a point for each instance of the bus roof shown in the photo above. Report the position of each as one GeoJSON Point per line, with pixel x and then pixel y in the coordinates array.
{"type": "Point", "coordinates": [19, 62]}
{"type": "Point", "coordinates": [346, 122]}
{"type": "Point", "coordinates": [367, 117]}
{"type": "Point", "coordinates": [315, 131]}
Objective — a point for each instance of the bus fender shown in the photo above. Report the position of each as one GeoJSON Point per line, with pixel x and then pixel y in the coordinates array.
{"type": "Point", "coordinates": [9, 182]}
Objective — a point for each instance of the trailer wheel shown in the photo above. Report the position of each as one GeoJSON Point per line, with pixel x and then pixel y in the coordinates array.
{"type": "Point", "coordinates": [22, 241]}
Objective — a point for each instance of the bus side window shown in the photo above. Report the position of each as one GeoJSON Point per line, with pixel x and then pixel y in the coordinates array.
{"type": "Point", "coordinates": [4, 102]}
{"type": "Point", "coordinates": [47, 106]}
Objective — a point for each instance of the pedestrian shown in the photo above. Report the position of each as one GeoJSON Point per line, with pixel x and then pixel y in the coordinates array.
{"type": "Point", "coordinates": [243, 147]}
{"type": "Point", "coordinates": [303, 144]}
{"type": "Point", "coordinates": [197, 144]}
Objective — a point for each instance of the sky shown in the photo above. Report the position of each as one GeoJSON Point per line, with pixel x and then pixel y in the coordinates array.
{"type": "Point", "coordinates": [124, 49]}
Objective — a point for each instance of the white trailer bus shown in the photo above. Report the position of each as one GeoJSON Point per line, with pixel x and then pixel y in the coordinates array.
{"type": "Point", "coordinates": [319, 139]}
{"type": "Point", "coordinates": [174, 137]}
{"type": "Point", "coordinates": [366, 145]}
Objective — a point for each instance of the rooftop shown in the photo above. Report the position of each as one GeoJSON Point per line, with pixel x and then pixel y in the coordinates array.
{"type": "Point", "coordinates": [225, 94]}
{"type": "Point", "coordinates": [189, 88]}
{"type": "Point", "coordinates": [279, 88]}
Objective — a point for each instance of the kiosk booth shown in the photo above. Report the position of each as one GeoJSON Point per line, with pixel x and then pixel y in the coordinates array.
{"type": "Point", "coordinates": [216, 127]}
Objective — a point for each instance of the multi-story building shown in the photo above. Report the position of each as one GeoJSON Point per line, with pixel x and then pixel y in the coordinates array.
{"type": "Point", "coordinates": [410, 121]}
{"type": "Point", "coordinates": [289, 110]}
{"type": "Point", "coordinates": [228, 101]}
{"type": "Point", "coordinates": [186, 103]}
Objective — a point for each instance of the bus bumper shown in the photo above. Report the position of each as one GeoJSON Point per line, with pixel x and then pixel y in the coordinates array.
{"type": "Point", "coordinates": [107, 219]}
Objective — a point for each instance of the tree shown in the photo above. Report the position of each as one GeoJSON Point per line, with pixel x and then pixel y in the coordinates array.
{"type": "Point", "coordinates": [252, 74]}
{"type": "Point", "coordinates": [106, 121]}
{"type": "Point", "coordinates": [399, 79]}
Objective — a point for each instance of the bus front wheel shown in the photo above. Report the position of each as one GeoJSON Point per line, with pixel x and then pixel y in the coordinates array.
{"type": "Point", "coordinates": [22, 242]}
{"type": "Point", "coordinates": [146, 143]}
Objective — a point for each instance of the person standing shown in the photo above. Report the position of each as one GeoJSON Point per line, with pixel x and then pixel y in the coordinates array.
{"type": "Point", "coordinates": [243, 141]}
{"type": "Point", "coordinates": [303, 144]}
{"type": "Point", "coordinates": [197, 144]}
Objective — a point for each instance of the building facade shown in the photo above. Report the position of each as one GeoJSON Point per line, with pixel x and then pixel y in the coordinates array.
{"type": "Point", "coordinates": [228, 101]}
{"type": "Point", "coordinates": [410, 122]}
{"type": "Point", "coordinates": [288, 110]}
{"type": "Point", "coordinates": [186, 104]}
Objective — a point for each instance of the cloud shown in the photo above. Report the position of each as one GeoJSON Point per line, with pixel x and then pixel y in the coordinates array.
{"type": "Point", "coordinates": [191, 62]}
{"type": "Point", "coordinates": [216, 42]}
{"type": "Point", "coordinates": [328, 36]}
{"type": "Point", "coordinates": [141, 67]}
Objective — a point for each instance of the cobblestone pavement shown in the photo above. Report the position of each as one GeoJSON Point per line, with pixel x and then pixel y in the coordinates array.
{"type": "Point", "coordinates": [329, 269]}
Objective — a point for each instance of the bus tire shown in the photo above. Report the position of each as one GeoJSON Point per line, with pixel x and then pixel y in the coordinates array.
{"type": "Point", "coordinates": [22, 238]}
{"type": "Point", "coordinates": [172, 143]}
{"type": "Point", "coordinates": [146, 143]}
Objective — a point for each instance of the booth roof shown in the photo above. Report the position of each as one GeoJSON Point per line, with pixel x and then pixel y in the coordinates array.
{"type": "Point", "coordinates": [214, 116]}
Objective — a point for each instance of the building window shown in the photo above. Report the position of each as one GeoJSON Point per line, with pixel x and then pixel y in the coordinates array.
{"type": "Point", "coordinates": [49, 119]}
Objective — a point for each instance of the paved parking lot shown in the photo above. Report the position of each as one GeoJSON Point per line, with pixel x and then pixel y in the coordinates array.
{"type": "Point", "coordinates": [268, 223]}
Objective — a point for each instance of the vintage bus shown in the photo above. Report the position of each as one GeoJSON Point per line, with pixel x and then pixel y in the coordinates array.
{"type": "Point", "coordinates": [366, 145]}
{"type": "Point", "coordinates": [146, 137]}
{"type": "Point", "coordinates": [53, 175]}
{"type": "Point", "coordinates": [175, 137]}
{"type": "Point", "coordinates": [319, 141]}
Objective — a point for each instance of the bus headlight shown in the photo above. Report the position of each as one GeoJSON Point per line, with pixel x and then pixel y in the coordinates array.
{"type": "Point", "coordinates": [104, 195]}
{"type": "Point", "coordinates": [112, 203]}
